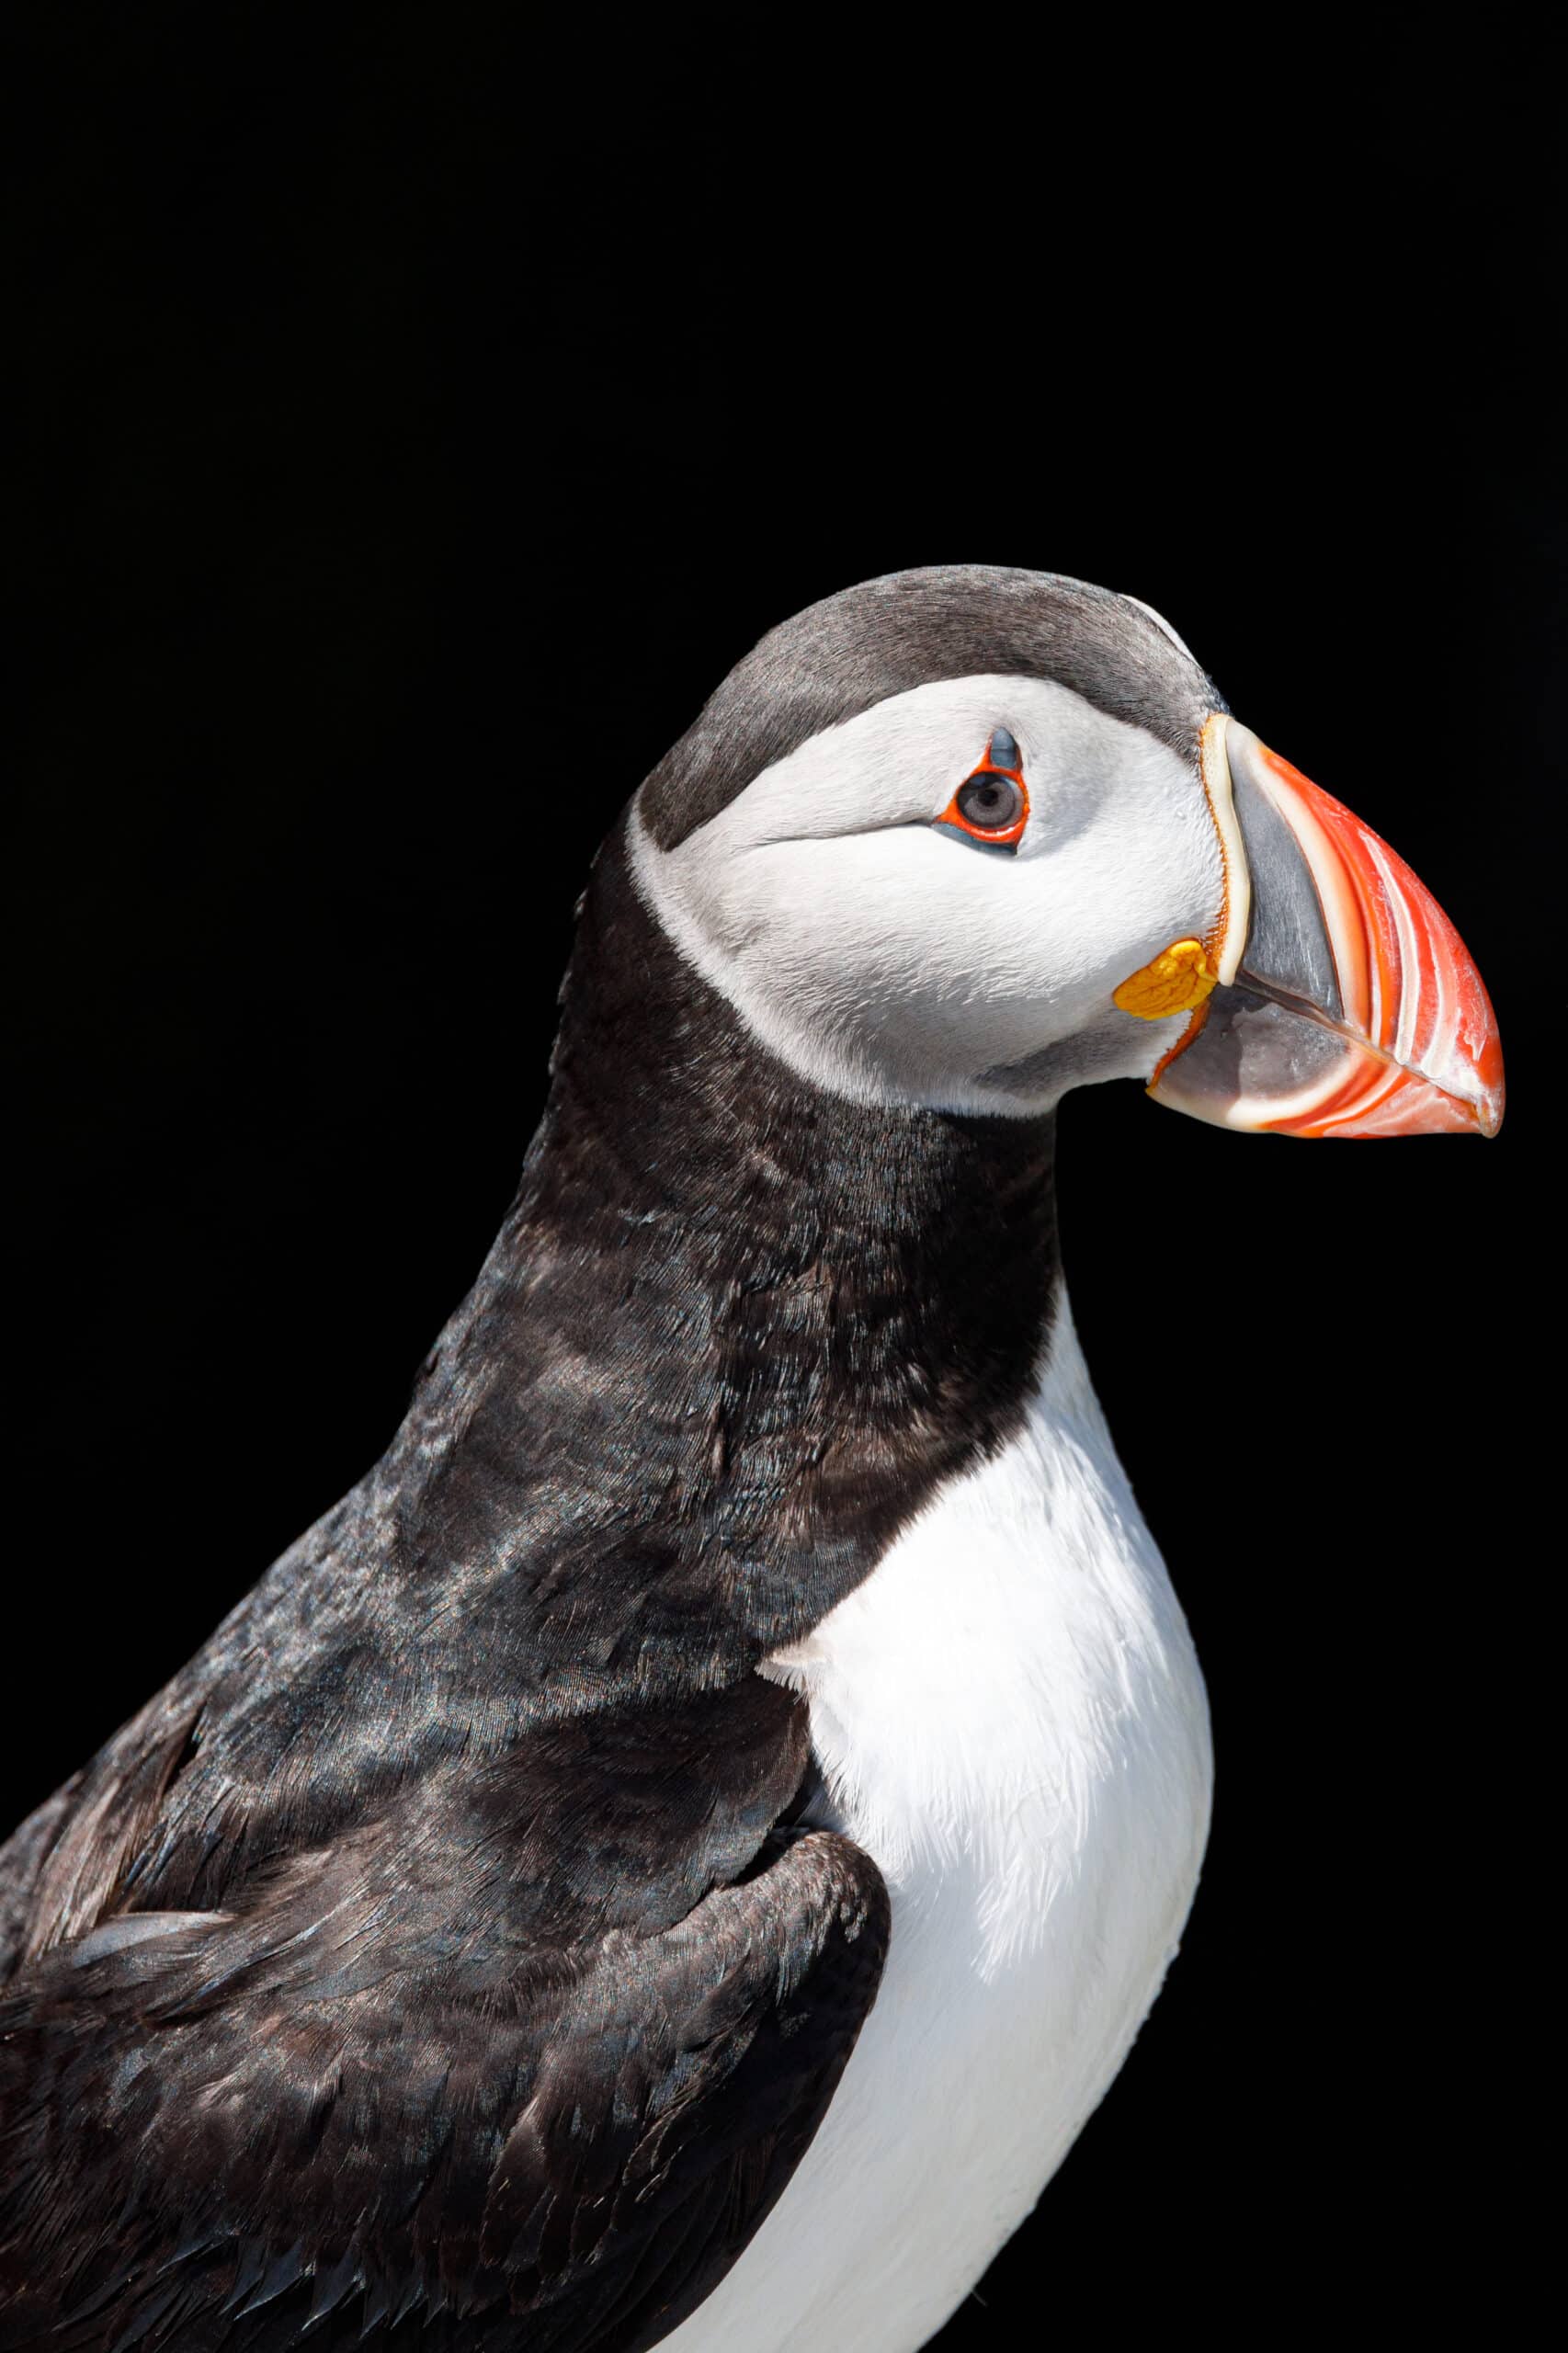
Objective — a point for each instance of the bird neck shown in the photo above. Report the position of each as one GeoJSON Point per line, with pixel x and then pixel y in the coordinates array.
{"type": "Point", "coordinates": [735, 1330]}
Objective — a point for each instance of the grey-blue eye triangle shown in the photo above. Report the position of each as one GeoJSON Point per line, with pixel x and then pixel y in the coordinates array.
{"type": "Point", "coordinates": [1004, 750]}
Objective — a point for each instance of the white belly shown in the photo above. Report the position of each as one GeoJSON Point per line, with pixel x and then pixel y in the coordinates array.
{"type": "Point", "coordinates": [1010, 1718]}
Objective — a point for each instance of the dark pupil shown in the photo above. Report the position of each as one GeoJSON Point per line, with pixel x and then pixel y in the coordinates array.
{"type": "Point", "coordinates": [989, 800]}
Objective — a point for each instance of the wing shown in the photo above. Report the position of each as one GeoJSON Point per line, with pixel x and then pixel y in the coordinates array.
{"type": "Point", "coordinates": [21, 1860]}
{"type": "Point", "coordinates": [525, 2063]}
{"type": "Point", "coordinates": [681, 2099]}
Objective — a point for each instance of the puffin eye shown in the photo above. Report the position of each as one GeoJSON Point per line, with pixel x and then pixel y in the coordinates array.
{"type": "Point", "coordinates": [990, 801]}
{"type": "Point", "coordinates": [992, 804]}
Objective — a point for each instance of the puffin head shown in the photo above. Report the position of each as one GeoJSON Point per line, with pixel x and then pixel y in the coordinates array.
{"type": "Point", "coordinates": [966, 837]}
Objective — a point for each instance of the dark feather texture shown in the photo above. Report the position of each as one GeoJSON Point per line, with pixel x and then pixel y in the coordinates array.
{"type": "Point", "coordinates": [512, 1993]}
{"type": "Point", "coordinates": [459, 2059]}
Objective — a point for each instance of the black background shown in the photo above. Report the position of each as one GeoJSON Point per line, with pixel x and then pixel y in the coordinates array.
{"type": "Point", "coordinates": [418, 420]}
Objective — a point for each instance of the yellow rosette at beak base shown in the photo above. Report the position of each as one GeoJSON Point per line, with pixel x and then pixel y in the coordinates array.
{"type": "Point", "coordinates": [1179, 978]}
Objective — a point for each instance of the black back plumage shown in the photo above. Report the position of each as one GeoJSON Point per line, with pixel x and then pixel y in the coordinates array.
{"type": "Point", "coordinates": [444, 1938]}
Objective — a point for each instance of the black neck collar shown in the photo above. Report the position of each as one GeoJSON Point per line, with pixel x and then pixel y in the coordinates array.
{"type": "Point", "coordinates": [734, 1332]}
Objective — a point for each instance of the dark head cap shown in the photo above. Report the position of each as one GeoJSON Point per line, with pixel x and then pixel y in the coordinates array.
{"type": "Point", "coordinates": [840, 657]}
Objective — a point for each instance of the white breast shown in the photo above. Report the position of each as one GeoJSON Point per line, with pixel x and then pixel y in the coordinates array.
{"type": "Point", "coordinates": [1009, 1716]}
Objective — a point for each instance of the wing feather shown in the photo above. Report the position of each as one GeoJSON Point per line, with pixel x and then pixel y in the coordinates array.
{"type": "Point", "coordinates": [538, 2046]}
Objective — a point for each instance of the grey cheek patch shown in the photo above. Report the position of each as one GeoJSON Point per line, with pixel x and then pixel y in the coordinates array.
{"type": "Point", "coordinates": [1079, 1061]}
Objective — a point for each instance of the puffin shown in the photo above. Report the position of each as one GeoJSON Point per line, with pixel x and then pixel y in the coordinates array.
{"type": "Point", "coordinates": [675, 1854]}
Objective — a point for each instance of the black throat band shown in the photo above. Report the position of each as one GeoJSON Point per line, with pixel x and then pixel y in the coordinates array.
{"type": "Point", "coordinates": [734, 1333]}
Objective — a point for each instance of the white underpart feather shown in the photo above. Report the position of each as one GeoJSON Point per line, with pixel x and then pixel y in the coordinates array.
{"type": "Point", "coordinates": [1011, 1719]}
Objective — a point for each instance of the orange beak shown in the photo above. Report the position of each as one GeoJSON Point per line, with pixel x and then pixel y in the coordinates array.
{"type": "Point", "coordinates": [1346, 1003]}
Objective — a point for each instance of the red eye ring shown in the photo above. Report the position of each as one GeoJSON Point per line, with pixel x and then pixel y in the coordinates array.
{"type": "Point", "coordinates": [1007, 834]}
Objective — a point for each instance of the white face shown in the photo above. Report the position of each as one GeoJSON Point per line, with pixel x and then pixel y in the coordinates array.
{"type": "Point", "coordinates": [893, 959]}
